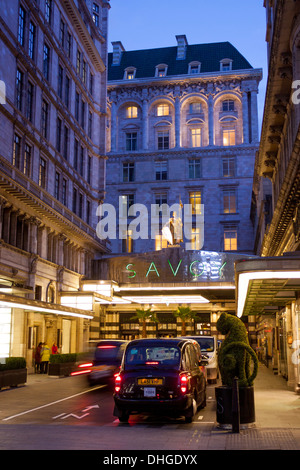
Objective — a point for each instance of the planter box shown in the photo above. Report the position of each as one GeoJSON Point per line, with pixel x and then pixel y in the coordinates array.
{"type": "Point", "coordinates": [13, 377]}
{"type": "Point", "coordinates": [62, 369]}
{"type": "Point", "coordinates": [224, 405]}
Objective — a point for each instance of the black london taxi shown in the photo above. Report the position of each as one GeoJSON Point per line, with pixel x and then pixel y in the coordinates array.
{"type": "Point", "coordinates": [105, 362]}
{"type": "Point", "coordinates": [159, 376]}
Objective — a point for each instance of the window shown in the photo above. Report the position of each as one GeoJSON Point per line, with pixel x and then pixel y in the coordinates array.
{"type": "Point", "coordinates": [90, 124]}
{"type": "Point", "coordinates": [74, 203]}
{"type": "Point", "coordinates": [80, 211]}
{"type": "Point", "coordinates": [129, 74]}
{"type": "Point", "coordinates": [127, 243]}
{"type": "Point", "coordinates": [228, 137]}
{"type": "Point", "coordinates": [19, 89]}
{"type": "Point", "coordinates": [194, 67]}
{"type": "Point", "coordinates": [64, 191]}
{"type": "Point", "coordinates": [163, 110]}
{"type": "Point", "coordinates": [21, 26]}
{"type": "Point", "coordinates": [42, 173]}
{"type": "Point", "coordinates": [161, 171]}
{"type": "Point", "coordinates": [88, 212]}
{"type": "Point", "coordinates": [69, 44]}
{"type": "Point", "coordinates": [195, 239]}
{"type": "Point", "coordinates": [228, 105]}
{"type": "Point", "coordinates": [195, 168]}
{"type": "Point", "coordinates": [46, 61]}
{"type": "Point", "coordinates": [161, 70]}
{"type": "Point", "coordinates": [81, 165]}
{"type": "Point", "coordinates": [96, 14]}
{"type": "Point", "coordinates": [67, 91]}
{"type": "Point", "coordinates": [196, 137]}
{"type": "Point", "coordinates": [58, 134]}
{"type": "Point", "coordinates": [91, 87]}
{"type": "Point", "coordinates": [62, 33]}
{"type": "Point", "coordinates": [195, 107]}
{"type": "Point", "coordinates": [229, 201]}
{"type": "Point", "coordinates": [228, 167]}
{"type": "Point", "coordinates": [17, 151]}
{"type": "Point", "coordinates": [160, 242]}
{"type": "Point", "coordinates": [44, 120]}
{"type": "Point", "coordinates": [131, 141]}
{"type": "Point", "coordinates": [66, 142]}
{"type": "Point", "coordinates": [132, 112]}
{"type": "Point", "coordinates": [128, 172]}
{"type": "Point", "coordinates": [48, 10]}
{"type": "Point", "coordinates": [57, 184]}
{"type": "Point", "coordinates": [78, 61]}
{"type": "Point", "coordinates": [82, 114]}
{"type": "Point", "coordinates": [161, 201]}
{"type": "Point", "coordinates": [195, 202]}
{"type": "Point", "coordinates": [230, 239]}
{"type": "Point", "coordinates": [77, 106]}
{"type": "Point", "coordinates": [89, 169]}
{"type": "Point", "coordinates": [163, 140]}
{"type": "Point", "coordinates": [127, 200]}
{"type": "Point", "coordinates": [226, 65]}
{"type": "Point", "coordinates": [60, 81]}
{"type": "Point", "coordinates": [31, 40]}
{"type": "Point", "coordinates": [84, 72]}
{"type": "Point", "coordinates": [27, 160]}
{"type": "Point", "coordinates": [76, 148]}
{"type": "Point", "coordinates": [29, 107]}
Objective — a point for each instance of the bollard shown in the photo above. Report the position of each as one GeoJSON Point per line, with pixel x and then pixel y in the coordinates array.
{"type": "Point", "coordinates": [235, 406]}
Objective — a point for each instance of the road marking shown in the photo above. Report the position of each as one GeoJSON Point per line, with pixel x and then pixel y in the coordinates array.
{"type": "Point", "coordinates": [52, 403]}
{"type": "Point", "coordinates": [75, 416]}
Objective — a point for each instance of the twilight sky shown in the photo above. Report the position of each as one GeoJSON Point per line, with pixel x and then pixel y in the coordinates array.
{"type": "Point", "coordinates": [146, 24]}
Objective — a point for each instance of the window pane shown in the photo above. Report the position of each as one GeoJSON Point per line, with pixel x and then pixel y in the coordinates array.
{"type": "Point", "coordinates": [230, 240]}
{"type": "Point", "coordinates": [163, 110]}
{"type": "Point", "coordinates": [196, 137]}
{"type": "Point", "coordinates": [229, 137]}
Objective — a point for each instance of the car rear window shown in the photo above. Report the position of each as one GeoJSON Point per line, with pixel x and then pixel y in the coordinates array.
{"type": "Point", "coordinates": [152, 355]}
{"type": "Point", "coordinates": [206, 344]}
{"type": "Point", "coordinates": [107, 352]}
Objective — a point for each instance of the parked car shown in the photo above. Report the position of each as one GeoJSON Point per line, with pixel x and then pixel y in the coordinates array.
{"type": "Point", "coordinates": [105, 362]}
{"type": "Point", "coordinates": [209, 350]}
{"type": "Point", "coordinates": [159, 376]}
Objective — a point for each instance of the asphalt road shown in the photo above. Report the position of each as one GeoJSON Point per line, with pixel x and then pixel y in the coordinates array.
{"type": "Point", "coordinates": [66, 414]}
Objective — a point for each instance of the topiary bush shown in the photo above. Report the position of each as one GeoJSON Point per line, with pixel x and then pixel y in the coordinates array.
{"type": "Point", "coordinates": [235, 354]}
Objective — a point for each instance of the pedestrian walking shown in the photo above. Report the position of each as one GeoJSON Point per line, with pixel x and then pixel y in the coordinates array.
{"type": "Point", "coordinates": [45, 358]}
{"type": "Point", "coordinates": [37, 358]}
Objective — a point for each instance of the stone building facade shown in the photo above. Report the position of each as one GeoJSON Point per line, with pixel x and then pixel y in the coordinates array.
{"type": "Point", "coordinates": [52, 176]}
{"type": "Point", "coordinates": [183, 129]}
{"type": "Point", "coordinates": [276, 194]}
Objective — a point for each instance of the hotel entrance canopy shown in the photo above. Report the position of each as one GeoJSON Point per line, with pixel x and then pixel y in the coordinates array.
{"type": "Point", "coordinates": [264, 285]}
{"type": "Point", "coordinates": [170, 276]}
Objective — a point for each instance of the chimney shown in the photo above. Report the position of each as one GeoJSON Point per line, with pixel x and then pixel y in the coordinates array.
{"type": "Point", "coordinates": [181, 46]}
{"type": "Point", "coordinates": [118, 48]}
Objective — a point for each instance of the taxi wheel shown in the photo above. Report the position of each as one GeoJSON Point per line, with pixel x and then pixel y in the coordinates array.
{"type": "Point", "coordinates": [192, 411]}
{"type": "Point", "coordinates": [124, 416]}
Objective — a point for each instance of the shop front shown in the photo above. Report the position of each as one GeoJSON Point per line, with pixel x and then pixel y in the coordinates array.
{"type": "Point", "coordinates": [268, 290]}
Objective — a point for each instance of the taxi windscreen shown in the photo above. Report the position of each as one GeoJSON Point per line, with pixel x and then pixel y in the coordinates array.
{"type": "Point", "coordinates": [152, 356]}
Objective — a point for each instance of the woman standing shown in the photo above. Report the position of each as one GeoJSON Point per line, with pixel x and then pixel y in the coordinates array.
{"type": "Point", "coordinates": [37, 358]}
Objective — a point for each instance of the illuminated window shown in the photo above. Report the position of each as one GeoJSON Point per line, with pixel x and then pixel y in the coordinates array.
{"type": "Point", "coordinates": [196, 137]}
{"type": "Point", "coordinates": [160, 242]}
{"type": "Point", "coordinates": [132, 112]}
{"type": "Point", "coordinates": [228, 137]}
{"type": "Point", "coordinates": [195, 201]}
{"type": "Point", "coordinates": [229, 201]}
{"type": "Point", "coordinates": [161, 70]}
{"type": "Point", "coordinates": [129, 74]}
{"type": "Point", "coordinates": [195, 239]}
{"type": "Point", "coordinates": [127, 242]}
{"type": "Point", "coordinates": [163, 110]}
{"type": "Point", "coordinates": [230, 240]}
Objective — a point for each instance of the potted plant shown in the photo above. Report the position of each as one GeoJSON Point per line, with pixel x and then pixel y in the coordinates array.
{"type": "Point", "coordinates": [143, 315]}
{"type": "Point", "coordinates": [62, 364]}
{"type": "Point", "coordinates": [13, 372]}
{"type": "Point", "coordinates": [234, 360]}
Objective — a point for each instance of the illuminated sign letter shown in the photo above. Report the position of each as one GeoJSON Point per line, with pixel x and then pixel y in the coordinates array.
{"type": "Point", "coordinates": [152, 269]}
{"type": "Point", "coordinates": [178, 266]}
{"type": "Point", "coordinates": [109, 221]}
{"type": "Point", "coordinates": [131, 270]}
{"type": "Point", "coordinates": [192, 271]}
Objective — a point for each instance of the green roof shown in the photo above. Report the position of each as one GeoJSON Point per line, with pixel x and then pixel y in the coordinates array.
{"type": "Point", "coordinates": [146, 60]}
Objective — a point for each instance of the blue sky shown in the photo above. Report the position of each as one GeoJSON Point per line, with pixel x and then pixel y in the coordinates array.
{"type": "Point", "coordinates": [146, 24]}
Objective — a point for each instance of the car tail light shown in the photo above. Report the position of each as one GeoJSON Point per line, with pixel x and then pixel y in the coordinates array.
{"type": "Point", "coordinates": [183, 383]}
{"type": "Point", "coordinates": [87, 364]}
{"type": "Point", "coordinates": [152, 363]}
{"type": "Point", "coordinates": [118, 381]}
{"type": "Point", "coordinates": [107, 347]}
{"type": "Point", "coordinates": [84, 369]}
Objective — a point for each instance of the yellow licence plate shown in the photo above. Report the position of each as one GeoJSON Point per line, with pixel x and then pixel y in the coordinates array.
{"type": "Point", "coordinates": [150, 381]}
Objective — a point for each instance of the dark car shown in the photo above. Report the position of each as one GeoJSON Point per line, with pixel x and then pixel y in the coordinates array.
{"type": "Point", "coordinates": [159, 376]}
{"type": "Point", "coordinates": [105, 362]}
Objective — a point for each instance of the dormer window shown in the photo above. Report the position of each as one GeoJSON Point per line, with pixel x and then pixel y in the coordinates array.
{"type": "Point", "coordinates": [226, 65]}
{"type": "Point", "coordinates": [194, 67]}
{"type": "Point", "coordinates": [161, 70]}
{"type": "Point", "coordinates": [163, 110]}
{"type": "Point", "coordinates": [129, 73]}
